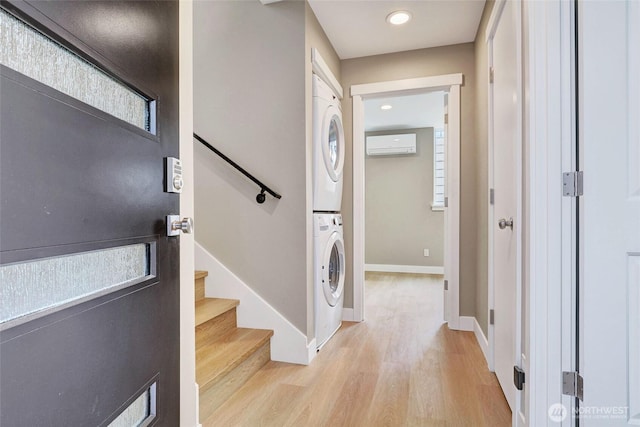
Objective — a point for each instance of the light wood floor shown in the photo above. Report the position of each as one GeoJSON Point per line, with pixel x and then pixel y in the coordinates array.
{"type": "Point", "coordinates": [401, 367]}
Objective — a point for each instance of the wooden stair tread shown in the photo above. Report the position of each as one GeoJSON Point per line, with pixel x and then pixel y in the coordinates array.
{"type": "Point", "coordinates": [209, 308]}
{"type": "Point", "coordinates": [199, 274]}
{"type": "Point", "coordinates": [226, 356]}
{"type": "Point", "coordinates": [220, 357]}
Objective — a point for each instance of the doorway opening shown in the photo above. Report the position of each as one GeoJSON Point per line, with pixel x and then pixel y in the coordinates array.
{"type": "Point", "coordinates": [404, 183]}
{"type": "Point", "coordinates": [449, 84]}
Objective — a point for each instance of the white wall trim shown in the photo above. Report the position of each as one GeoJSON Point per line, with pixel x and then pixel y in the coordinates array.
{"type": "Point", "coordinates": [482, 340]}
{"type": "Point", "coordinates": [418, 84]}
{"type": "Point", "coordinates": [418, 269]}
{"type": "Point", "coordinates": [347, 314]}
{"type": "Point", "coordinates": [450, 83]}
{"type": "Point", "coordinates": [358, 209]}
{"type": "Point", "coordinates": [188, 385]}
{"type": "Point", "coordinates": [548, 117]}
{"type": "Point", "coordinates": [492, 25]}
{"type": "Point", "coordinates": [197, 395]}
{"type": "Point", "coordinates": [452, 211]}
{"type": "Point", "coordinates": [320, 67]}
{"type": "Point", "coordinates": [312, 351]}
{"type": "Point", "coordinates": [467, 323]}
{"type": "Point", "coordinates": [288, 344]}
{"type": "Point", "coordinates": [491, 29]}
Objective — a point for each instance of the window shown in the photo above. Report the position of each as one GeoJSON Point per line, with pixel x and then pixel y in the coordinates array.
{"type": "Point", "coordinates": [438, 169]}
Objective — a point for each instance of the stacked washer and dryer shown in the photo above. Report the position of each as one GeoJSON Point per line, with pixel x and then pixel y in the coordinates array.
{"type": "Point", "coordinates": [328, 162]}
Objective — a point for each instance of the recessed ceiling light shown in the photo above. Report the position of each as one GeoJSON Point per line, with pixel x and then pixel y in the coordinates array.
{"type": "Point", "coordinates": [399, 17]}
{"type": "Point", "coordinates": [386, 107]}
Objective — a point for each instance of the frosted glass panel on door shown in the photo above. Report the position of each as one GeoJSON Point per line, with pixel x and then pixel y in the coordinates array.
{"type": "Point", "coordinates": [31, 287]}
{"type": "Point", "coordinates": [29, 52]}
{"type": "Point", "coordinates": [140, 413]}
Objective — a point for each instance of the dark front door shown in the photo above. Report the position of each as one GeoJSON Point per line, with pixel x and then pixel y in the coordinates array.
{"type": "Point", "coordinates": [89, 301]}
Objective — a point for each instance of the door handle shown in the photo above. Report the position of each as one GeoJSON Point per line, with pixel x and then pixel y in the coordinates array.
{"type": "Point", "coordinates": [175, 225]}
{"type": "Point", "coordinates": [504, 223]}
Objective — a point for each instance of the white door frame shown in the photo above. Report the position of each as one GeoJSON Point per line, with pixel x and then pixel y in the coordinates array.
{"type": "Point", "coordinates": [188, 386]}
{"type": "Point", "coordinates": [450, 83]}
{"type": "Point", "coordinates": [548, 250]}
{"type": "Point", "coordinates": [492, 27]}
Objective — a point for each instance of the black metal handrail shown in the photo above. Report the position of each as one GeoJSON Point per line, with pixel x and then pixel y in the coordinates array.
{"type": "Point", "coordinates": [260, 198]}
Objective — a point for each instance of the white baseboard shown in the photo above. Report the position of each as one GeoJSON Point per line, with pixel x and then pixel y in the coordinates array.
{"type": "Point", "coordinates": [347, 314]}
{"type": "Point", "coordinates": [288, 344]}
{"type": "Point", "coordinates": [312, 350]}
{"type": "Point", "coordinates": [466, 323]}
{"type": "Point", "coordinates": [482, 340]}
{"type": "Point", "coordinates": [198, 423]}
{"type": "Point", "coordinates": [390, 268]}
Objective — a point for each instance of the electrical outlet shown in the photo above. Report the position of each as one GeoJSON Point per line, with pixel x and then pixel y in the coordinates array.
{"type": "Point", "coordinates": [426, 252]}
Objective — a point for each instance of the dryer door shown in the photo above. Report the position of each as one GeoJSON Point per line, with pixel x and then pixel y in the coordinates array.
{"type": "Point", "coordinates": [333, 269]}
{"type": "Point", "coordinates": [333, 142]}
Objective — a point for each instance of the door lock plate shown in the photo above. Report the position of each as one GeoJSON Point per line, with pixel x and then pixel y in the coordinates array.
{"type": "Point", "coordinates": [173, 179]}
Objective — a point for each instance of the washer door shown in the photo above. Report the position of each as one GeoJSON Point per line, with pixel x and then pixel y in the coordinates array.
{"type": "Point", "coordinates": [333, 142]}
{"type": "Point", "coordinates": [333, 269]}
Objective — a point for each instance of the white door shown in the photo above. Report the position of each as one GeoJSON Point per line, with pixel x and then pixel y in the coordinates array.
{"type": "Point", "coordinates": [506, 137]}
{"type": "Point", "coordinates": [609, 280]}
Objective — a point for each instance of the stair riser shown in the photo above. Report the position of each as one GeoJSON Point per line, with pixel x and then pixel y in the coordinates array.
{"type": "Point", "coordinates": [215, 328]}
{"type": "Point", "coordinates": [214, 395]}
{"type": "Point", "coordinates": [199, 289]}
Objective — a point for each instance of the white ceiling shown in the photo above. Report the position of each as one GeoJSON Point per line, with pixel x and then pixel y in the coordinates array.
{"type": "Point", "coordinates": [359, 28]}
{"type": "Point", "coordinates": [409, 111]}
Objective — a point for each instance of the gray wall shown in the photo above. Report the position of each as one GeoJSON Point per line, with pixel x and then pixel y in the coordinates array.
{"type": "Point", "coordinates": [482, 187]}
{"type": "Point", "coordinates": [421, 63]}
{"type": "Point", "coordinates": [399, 222]}
{"type": "Point", "coordinates": [252, 100]}
{"type": "Point", "coordinates": [249, 103]}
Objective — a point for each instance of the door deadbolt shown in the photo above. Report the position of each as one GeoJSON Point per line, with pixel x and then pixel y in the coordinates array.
{"type": "Point", "coordinates": [175, 225]}
{"type": "Point", "coordinates": [504, 223]}
{"type": "Point", "coordinates": [173, 178]}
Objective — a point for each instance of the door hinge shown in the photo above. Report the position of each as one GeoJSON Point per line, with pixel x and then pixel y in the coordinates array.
{"type": "Point", "coordinates": [446, 202]}
{"type": "Point", "coordinates": [572, 184]}
{"type": "Point", "coordinates": [491, 196]}
{"type": "Point", "coordinates": [518, 377]}
{"type": "Point", "coordinates": [490, 74]}
{"type": "Point", "coordinates": [446, 118]}
{"type": "Point", "coordinates": [572, 384]}
{"type": "Point", "coordinates": [491, 316]}
{"type": "Point", "coordinates": [446, 285]}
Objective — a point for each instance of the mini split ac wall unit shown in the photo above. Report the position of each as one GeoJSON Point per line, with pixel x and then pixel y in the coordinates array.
{"type": "Point", "coordinates": [387, 145]}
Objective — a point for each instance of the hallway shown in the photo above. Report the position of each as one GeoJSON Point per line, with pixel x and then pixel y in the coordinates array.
{"type": "Point", "coordinates": [401, 367]}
